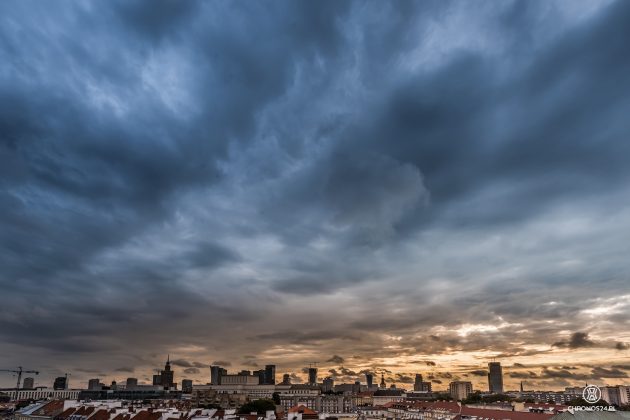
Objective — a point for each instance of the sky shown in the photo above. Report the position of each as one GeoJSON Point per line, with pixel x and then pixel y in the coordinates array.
{"type": "Point", "coordinates": [388, 187]}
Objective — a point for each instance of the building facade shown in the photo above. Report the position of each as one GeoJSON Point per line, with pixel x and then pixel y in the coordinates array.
{"type": "Point", "coordinates": [495, 378]}
{"type": "Point", "coordinates": [460, 390]}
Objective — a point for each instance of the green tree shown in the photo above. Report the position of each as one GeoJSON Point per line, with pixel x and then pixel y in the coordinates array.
{"type": "Point", "coordinates": [259, 406]}
{"type": "Point", "coordinates": [276, 398]}
{"type": "Point", "coordinates": [473, 398]}
{"type": "Point", "coordinates": [581, 402]}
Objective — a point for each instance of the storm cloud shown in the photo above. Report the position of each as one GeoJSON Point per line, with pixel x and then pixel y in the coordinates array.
{"type": "Point", "coordinates": [296, 180]}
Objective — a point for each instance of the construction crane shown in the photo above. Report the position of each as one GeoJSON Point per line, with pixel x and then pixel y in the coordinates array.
{"type": "Point", "coordinates": [19, 372]}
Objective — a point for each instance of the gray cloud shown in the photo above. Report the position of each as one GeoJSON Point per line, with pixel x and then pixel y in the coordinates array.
{"type": "Point", "coordinates": [224, 363]}
{"type": "Point", "coordinates": [312, 179]}
{"type": "Point", "coordinates": [336, 359]}
{"type": "Point", "coordinates": [622, 346]}
{"type": "Point", "coordinates": [577, 340]}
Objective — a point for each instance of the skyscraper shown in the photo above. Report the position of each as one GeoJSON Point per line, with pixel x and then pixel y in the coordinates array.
{"type": "Point", "coordinates": [261, 376]}
{"type": "Point", "coordinates": [167, 375]}
{"type": "Point", "coordinates": [270, 374]}
{"type": "Point", "coordinates": [131, 383]}
{"type": "Point", "coordinates": [29, 383]}
{"type": "Point", "coordinates": [312, 375]}
{"type": "Point", "coordinates": [417, 385]}
{"type": "Point", "coordinates": [383, 384]}
{"type": "Point", "coordinates": [61, 382]}
{"type": "Point", "coordinates": [215, 374]}
{"type": "Point", "coordinates": [94, 384]}
{"type": "Point", "coordinates": [459, 390]}
{"type": "Point", "coordinates": [495, 378]}
{"type": "Point", "coordinates": [187, 386]}
{"type": "Point", "coordinates": [369, 379]}
{"type": "Point", "coordinates": [328, 384]}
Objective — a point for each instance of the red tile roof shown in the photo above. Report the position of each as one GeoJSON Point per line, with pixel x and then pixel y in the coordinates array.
{"type": "Point", "coordinates": [51, 409]}
{"type": "Point", "coordinates": [301, 409]}
{"type": "Point", "coordinates": [502, 414]}
{"type": "Point", "coordinates": [67, 413]}
{"type": "Point", "coordinates": [102, 414]}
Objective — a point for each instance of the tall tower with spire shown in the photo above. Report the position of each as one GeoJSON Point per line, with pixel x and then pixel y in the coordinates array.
{"type": "Point", "coordinates": [167, 374]}
{"type": "Point", "coordinates": [383, 385]}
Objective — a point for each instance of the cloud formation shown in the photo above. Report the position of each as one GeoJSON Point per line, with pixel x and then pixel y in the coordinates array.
{"type": "Point", "coordinates": [290, 181]}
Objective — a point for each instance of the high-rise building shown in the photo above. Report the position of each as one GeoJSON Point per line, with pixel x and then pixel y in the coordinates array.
{"type": "Point", "coordinates": [612, 394]}
{"type": "Point", "coordinates": [459, 390]}
{"type": "Point", "coordinates": [328, 384]}
{"type": "Point", "coordinates": [260, 373]}
{"type": "Point", "coordinates": [131, 383]}
{"type": "Point", "coordinates": [157, 379]}
{"type": "Point", "coordinates": [383, 384]}
{"type": "Point", "coordinates": [215, 374]}
{"type": "Point", "coordinates": [312, 375]}
{"type": "Point", "coordinates": [167, 375]}
{"type": "Point", "coordinates": [270, 374]}
{"type": "Point", "coordinates": [369, 379]}
{"type": "Point", "coordinates": [94, 384]}
{"type": "Point", "coordinates": [286, 379]}
{"type": "Point", "coordinates": [61, 382]}
{"type": "Point", "coordinates": [29, 383]}
{"type": "Point", "coordinates": [417, 385]}
{"type": "Point", "coordinates": [495, 378]}
{"type": "Point", "coordinates": [187, 386]}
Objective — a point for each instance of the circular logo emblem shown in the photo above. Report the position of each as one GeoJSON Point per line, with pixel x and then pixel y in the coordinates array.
{"type": "Point", "coordinates": [592, 394]}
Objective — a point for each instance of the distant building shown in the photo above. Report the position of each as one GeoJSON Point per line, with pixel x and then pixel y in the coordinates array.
{"type": "Point", "coordinates": [239, 380]}
{"type": "Point", "coordinates": [131, 383]}
{"type": "Point", "coordinates": [215, 374]}
{"type": "Point", "coordinates": [369, 379]}
{"type": "Point", "coordinates": [286, 379]}
{"type": "Point", "coordinates": [157, 379]}
{"type": "Point", "coordinates": [612, 395]}
{"type": "Point", "coordinates": [383, 385]}
{"type": "Point", "coordinates": [95, 385]}
{"type": "Point", "coordinates": [495, 378]}
{"type": "Point", "coordinates": [187, 386]}
{"type": "Point", "coordinates": [44, 393]}
{"type": "Point", "coordinates": [384, 396]}
{"type": "Point", "coordinates": [417, 385]}
{"type": "Point", "coordinates": [167, 375]}
{"type": "Point", "coordinates": [270, 375]}
{"type": "Point", "coordinates": [245, 372]}
{"type": "Point", "coordinates": [312, 375]}
{"type": "Point", "coordinates": [328, 384]}
{"type": "Point", "coordinates": [459, 390]}
{"type": "Point", "coordinates": [61, 382]}
{"type": "Point", "coordinates": [29, 383]}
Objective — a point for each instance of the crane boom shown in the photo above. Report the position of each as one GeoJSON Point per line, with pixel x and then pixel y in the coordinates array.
{"type": "Point", "coordinates": [19, 372]}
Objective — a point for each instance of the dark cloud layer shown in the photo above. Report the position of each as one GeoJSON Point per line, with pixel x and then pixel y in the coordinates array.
{"type": "Point", "coordinates": [292, 181]}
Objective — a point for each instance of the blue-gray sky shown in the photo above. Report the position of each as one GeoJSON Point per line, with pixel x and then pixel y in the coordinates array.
{"type": "Point", "coordinates": [407, 186]}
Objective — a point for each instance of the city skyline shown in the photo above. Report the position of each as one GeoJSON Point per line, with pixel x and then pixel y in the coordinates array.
{"type": "Point", "coordinates": [200, 374]}
{"type": "Point", "coordinates": [405, 187]}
